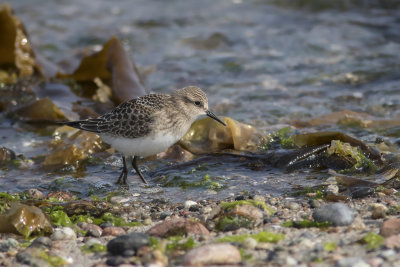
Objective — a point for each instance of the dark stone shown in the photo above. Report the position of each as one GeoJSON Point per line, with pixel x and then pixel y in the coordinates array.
{"type": "Point", "coordinates": [41, 242]}
{"type": "Point", "coordinates": [194, 208]}
{"type": "Point", "coordinates": [106, 224]}
{"type": "Point", "coordinates": [165, 214]}
{"type": "Point", "coordinates": [115, 261]}
{"type": "Point", "coordinates": [123, 243]}
{"type": "Point", "coordinates": [338, 214]}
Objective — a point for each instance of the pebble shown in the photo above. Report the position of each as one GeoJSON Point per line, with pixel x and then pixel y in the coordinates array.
{"type": "Point", "coordinates": [10, 243]}
{"type": "Point", "coordinates": [41, 242]}
{"type": "Point", "coordinates": [332, 189]}
{"type": "Point", "coordinates": [212, 254]}
{"type": "Point", "coordinates": [114, 231]}
{"type": "Point", "coordinates": [147, 221]}
{"type": "Point", "coordinates": [119, 199]}
{"type": "Point", "coordinates": [351, 262]}
{"type": "Point", "coordinates": [65, 233]}
{"type": "Point", "coordinates": [388, 254]}
{"type": "Point", "coordinates": [92, 241]}
{"type": "Point", "coordinates": [393, 241]}
{"type": "Point", "coordinates": [314, 203]}
{"type": "Point", "coordinates": [190, 203]}
{"type": "Point", "coordinates": [91, 229]}
{"type": "Point", "coordinates": [127, 245]}
{"type": "Point", "coordinates": [338, 214]}
{"type": "Point", "coordinates": [250, 243]}
{"type": "Point", "coordinates": [165, 214]}
{"type": "Point", "coordinates": [34, 193]}
{"type": "Point", "coordinates": [379, 212]}
{"type": "Point", "coordinates": [27, 257]}
{"type": "Point", "coordinates": [390, 227]}
{"type": "Point", "coordinates": [292, 205]}
{"type": "Point", "coordinates": [106, 224]}
{"type": "Point", "coordinates": [179, 225]}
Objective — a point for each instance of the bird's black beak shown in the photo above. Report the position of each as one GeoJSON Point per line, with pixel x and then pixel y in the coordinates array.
{"type": "Point", "coordinates": [212, 115]}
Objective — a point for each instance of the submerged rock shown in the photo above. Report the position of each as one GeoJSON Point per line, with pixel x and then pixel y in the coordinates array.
{"type": "Point", "coordinates": [338, 214]}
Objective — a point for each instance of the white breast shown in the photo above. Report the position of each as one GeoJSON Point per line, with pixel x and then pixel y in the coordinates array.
{"type": "Point", "coordinates": [142, 146]}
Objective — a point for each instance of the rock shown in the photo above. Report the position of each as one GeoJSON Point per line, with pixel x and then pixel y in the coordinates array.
{"type": "Point", "coordinates": [147, 221]}
{"type": "Point", "coordinates": [314, 203]}
{"type": "Point", "coordinates": [92, 241]}
{"type": "Point", "coordinates": [393, 241]}
{"type": "Point", "coordinates": [351, 262]}
{"type": "Point", "coordinates": [292, 205]}
{"type": "Point", "coordinates": [65, 233]}
{"type": "Point", "coordinates": [34, 193]}
{"type": "Point", "coordinates": [338, 214]}
{"type": "Point", "coordinates": [190, 203]}
{"type": "Point", "coordinates": [41, 242]}
{"type": "Point", "coordinates": [379, 212]}
{"type": "Point", "coordinates": [91, 229]}
{"type": "Point", "coordinates": [388, 254]}
{"type": "Point", "coordinates": [390, 227]}
{"type": "Point", "coordinates": [114, 231]}
{"type": "Point", "coordinates": [116, 261]}
{"type": "Point", "coordinates": [250, 243]}
{"type": "Point", "coordinates": [165, 214]}
{"type": "Point", "coordinates": [212, 254]}
{"type": "Point", "coordinates": [177, 227]}
{"type": "Point", "coordinates": [10, 243]}
{"type": "Point", "coordinates": [106, 224]}
{"type": "Point", "coordinates": [119, 199]}
{"type": "Point", "coordinates": [127, 245]}
{"type": "Point", "coordinates": [60, 196]}
{"type": "Point", "coordinates": [332, 189]}
{"type": "Point", "coordinates": [31, 257]}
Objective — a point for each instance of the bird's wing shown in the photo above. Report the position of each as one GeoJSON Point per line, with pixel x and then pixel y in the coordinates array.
{"type": "Point", "coordinates": [130, 119]}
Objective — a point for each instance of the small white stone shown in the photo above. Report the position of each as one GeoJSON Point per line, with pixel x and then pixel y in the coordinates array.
{"type": "Point", "coordinates": [190, 203]}
{"type": "Point", "coordinates": [65, 233]}
{"type": "Point", "coordinates": [250, 243]}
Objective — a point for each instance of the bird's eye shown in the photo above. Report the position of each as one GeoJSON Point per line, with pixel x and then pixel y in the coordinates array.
{"type": "Point", "coordinates": [197, 103]}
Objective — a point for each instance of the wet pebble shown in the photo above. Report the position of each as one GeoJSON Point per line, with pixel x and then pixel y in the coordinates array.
{"type": "Point", "coordinates": [351, 262]}
{"type": "Point", "coordinates": [65, 233]}
{"type": "Point", "coordinates": [119, 199]}
{"type": "Point", "coordinates": [127, 245]}
{"type": "Point", "coordinates": [91, 229]}
{"type": "Point", "coordinates": [338, 214]}
{"type": "Point", "coordinates": [390, 227]}
{"type": "Point", "coordinates": [212, 254]}
{"type": "Point", "coordinates": [114, 231]}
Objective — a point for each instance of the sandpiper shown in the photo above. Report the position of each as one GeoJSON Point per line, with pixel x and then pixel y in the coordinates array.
{"type": "Point", "coordinates": [149, 124]}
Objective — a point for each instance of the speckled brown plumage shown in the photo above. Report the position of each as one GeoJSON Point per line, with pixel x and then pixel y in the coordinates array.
{"type": "Point", "coordinates": [131, 119]}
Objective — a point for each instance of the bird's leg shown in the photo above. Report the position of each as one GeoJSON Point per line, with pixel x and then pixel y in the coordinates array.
{"type": "Point", "coordinates": [122, 178]}
{"type": "Point", "coordinates": [134, 165]}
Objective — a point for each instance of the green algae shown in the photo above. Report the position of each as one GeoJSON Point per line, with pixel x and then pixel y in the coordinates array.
{"type": "Point", "coordinates": [179, 243]}
{"type": "Point", "coordinates": [261, 237]}
{"type": "Point", "coordinates": [230, 223]}
{"type": "Point", "coordinates": [60, 218]}
{"type": "Point", "coordinates": [306, 224]}
{"type": "Point", "coordinates": [227, 206]}
{"type": "Point", "coordinates": [373, 241]}
{"type": "Point", "coordinates": [330, 246]}
{"type": "Point", "coordinates": [95, 248]}
{"type": "Point", "coordinates": [244, 255]}
{"type": "Point", "coordinates": [354, 154]}
{"type": "Point", "coordinates": [52, 260]}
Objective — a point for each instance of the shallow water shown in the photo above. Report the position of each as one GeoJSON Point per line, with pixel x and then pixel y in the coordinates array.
{"type": "Point", "coordinates": [263, 64]}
